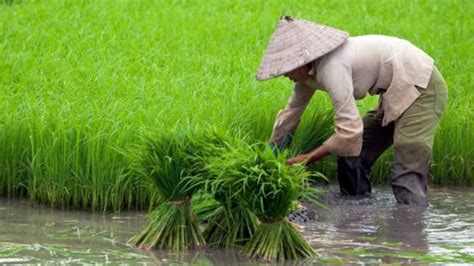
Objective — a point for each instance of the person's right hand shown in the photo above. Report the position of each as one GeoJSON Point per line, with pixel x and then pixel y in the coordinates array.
{"type": "Point", "coordinates": [302, 158]}
{"type": "Point", "coordinates": [284, 143]}
{"type": "Point", "coordinates": [274, 148]}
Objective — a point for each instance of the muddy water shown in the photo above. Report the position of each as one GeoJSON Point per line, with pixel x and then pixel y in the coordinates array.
{"type": "Point", "coordinates": [378, 230]}
{"type": "Point", "coordinates": [370, 230]}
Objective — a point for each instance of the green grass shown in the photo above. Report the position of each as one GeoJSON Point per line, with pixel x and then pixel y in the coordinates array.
{"type": "Point", "coordinates": [82, 81]}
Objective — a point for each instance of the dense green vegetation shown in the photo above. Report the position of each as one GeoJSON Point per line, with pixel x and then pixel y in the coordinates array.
{"type": "Point", "coordinates": [264, 184]}
{"type": "Point", "coordinates": [167, 162]}
{"type": "Point", "coordinates": [82, 81]}
{"type": "Point", "coordinates": [254, 187]}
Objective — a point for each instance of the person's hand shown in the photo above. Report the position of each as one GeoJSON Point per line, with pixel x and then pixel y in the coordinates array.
{"type": "Point", "coordinates": [309, 157]}
{"type": "Point", "coordinates": [283, 143]}
{"type": "Point", "coordinates": [303, 158]}
{"type": "Point", "coordinates": [274, 148]}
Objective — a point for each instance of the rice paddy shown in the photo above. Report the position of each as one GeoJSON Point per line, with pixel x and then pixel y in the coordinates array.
{"type": "Point", "coordinates": [82, 81]}
{"type": "Point", "coordinates": [84, 84]}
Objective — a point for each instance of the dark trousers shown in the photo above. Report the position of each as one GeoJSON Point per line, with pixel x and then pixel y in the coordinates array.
{"type": "Point", "coordinates": [412, 137]}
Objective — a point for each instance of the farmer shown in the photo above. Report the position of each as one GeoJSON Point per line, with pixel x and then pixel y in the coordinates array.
{"type": "Point", "coordinates": [412, 96]}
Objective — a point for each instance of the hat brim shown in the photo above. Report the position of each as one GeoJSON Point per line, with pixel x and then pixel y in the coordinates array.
{"type": "Point", "coordinates": [296, 43]}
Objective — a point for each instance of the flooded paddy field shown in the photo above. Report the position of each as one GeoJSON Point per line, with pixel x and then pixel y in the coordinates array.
{"type": "Point", "coordinates": [368, 230]}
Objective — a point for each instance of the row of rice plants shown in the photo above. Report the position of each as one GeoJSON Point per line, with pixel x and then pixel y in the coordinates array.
{"type": "Point", "coordinates": [81, 81]}
{"type": "Point", "coordinates": [66, 163]}
{"type": "Point", "coordinates": [68, 166]}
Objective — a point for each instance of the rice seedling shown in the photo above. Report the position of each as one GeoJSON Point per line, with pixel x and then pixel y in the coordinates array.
{"type": "Point", "coordinates": [166, 162]}
{"type": "Point", "coordinates": [227, 223]}
{"type": "Point", "coordinates": [231, 225]}
{"type": "Point", "coordinates": [10, 251]}
{"type": "Point", "coordinates": [265, 185]}
{"type": "Point", "coordinates": [204, 206]}
{"type": "Point", "coordinates": [312, 133]}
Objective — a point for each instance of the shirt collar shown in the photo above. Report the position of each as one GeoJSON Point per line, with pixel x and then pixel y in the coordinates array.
{"type": "Point", "coordinates": [314, 66]}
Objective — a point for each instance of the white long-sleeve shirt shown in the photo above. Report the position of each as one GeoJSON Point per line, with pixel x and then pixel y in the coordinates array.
{"type": "Point", "coordinates": [371, 64]}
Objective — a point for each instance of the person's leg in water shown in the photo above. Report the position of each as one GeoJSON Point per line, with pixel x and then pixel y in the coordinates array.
{"type": "Point", "coordinates": [413, 141]}
{"type": "Point", "coordinates": [354, 172]}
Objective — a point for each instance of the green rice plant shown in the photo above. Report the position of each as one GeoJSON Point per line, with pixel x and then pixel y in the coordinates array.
{"type": "Point", "coordinates": [316, 126]}
{"type": "Point", "coordinates": [313, 132]}
{"type": "Point", "coordinates": [80, 80]}
{"type": "Point", "coordinates": [165, 161]}
{"type": "Point", "coordinates": [13, 163]}
{"type": "Point", "coordinates": [172, 225]}
{"type": "Point", "coordinates": [265, 185]}
{"type": "Point", "coordinates": [227, 223]}
{"type": "Point", "coordinates": [231, 225]}
{"type": "Point", "coordinates": [204, 206]}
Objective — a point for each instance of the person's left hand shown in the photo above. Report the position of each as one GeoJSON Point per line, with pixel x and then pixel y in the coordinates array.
{"type": "Point", "coordinates": [303, 158]}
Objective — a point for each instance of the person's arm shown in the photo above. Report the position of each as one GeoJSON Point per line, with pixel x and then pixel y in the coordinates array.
{"type": "Point", "coordinates": [287, 119]}
{"type": "Point", "coordinates": [336, 78]}
{"type": "Point", "coordinates": [310, 157]}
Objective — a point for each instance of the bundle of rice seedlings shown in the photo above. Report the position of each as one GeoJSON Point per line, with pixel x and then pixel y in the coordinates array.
{"type": "Point", "coordinates": [265, 185]}
{"type": "Point", "coordinates": [231, 225]}
{"type": "Point", "coordinates": [204, 206]}
{"type": "Point", "coordinates": [166, 161]}
{"type": "Point", "coordinates": [228, 224]}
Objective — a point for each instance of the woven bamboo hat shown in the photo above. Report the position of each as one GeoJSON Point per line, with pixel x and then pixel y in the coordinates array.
{"type": "Point", "coordinates": [296, 42]}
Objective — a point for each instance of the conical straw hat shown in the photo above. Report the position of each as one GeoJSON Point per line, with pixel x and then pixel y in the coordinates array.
{"type": "Point", "coordinates": [296, 42]}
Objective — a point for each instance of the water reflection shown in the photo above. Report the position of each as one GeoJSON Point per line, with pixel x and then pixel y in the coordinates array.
{"type": "Point", "coordinates": [406, 225]}
{"type": "Point", "coordinates": [194, 257]}
{"type": "Point", "coordinates": [366, 230]}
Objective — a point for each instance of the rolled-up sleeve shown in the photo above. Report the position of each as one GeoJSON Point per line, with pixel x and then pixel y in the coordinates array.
{"type": "Point", "coordinates": [287, 119]}
{"type": "Point", "coordinates": [336, 79]}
